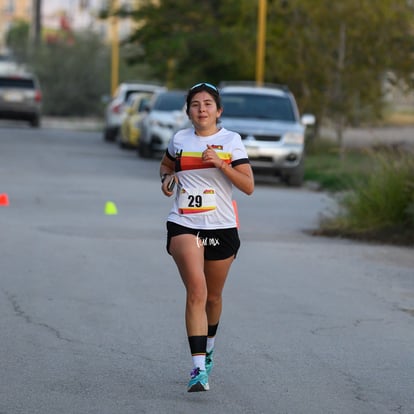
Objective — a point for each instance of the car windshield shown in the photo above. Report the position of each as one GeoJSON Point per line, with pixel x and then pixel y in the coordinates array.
{"type": "Point", "coordinates": [16, 83]}
{"type": "Point", "coordinates": [169, 102]}
{"type": "Point", "coordinates": [239, 105]}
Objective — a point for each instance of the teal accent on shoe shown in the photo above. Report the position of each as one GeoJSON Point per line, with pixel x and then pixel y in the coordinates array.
{"type": "Point", "coordinates": [209, 361]}
{"type": "Point", "coordinates": [198, 381]}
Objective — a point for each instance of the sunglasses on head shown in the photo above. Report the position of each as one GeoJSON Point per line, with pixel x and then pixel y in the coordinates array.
{"type": "Point", "coordinates": [208, 85]}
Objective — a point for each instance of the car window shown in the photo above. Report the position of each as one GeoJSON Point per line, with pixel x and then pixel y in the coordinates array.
{"type": "Point", "coordinates": [169, 102]}
{"type": "Point", "coordinates": [143, 104]}
{"type": "Point", "coordinates": [240, 105]}
{"type": "Point", "coordinates": [20, 83]}
{"type": "Point", "coordinates": [131, 99]}
{"type": "Point", "coordinates": [129, 95]}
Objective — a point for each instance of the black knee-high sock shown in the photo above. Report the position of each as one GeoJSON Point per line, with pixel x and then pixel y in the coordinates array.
{"type": "Point", "coordinates": [198, 346]}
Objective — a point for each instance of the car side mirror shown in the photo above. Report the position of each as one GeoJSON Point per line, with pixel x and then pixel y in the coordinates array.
{"type": "Point", "coordinates": [308, 119]}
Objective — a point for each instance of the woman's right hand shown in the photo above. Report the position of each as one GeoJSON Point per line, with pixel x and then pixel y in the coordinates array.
{"type": "Point", "coordinates": [167, 169]}
{"type": "Point", "coordinates": [165, 186]}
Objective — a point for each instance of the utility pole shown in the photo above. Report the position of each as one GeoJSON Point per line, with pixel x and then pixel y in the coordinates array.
{"type": "Point", "coordinates": [261, 41]}
{"type": "Point", "coordinates": [36, 26]}
{"type": "Point", "coordinates": [115, 47]}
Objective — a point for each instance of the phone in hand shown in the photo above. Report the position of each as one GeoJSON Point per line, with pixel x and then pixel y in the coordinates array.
{"type": "Point", "coordinates": [171, 184]}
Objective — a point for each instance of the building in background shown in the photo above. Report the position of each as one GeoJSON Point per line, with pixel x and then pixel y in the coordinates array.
{"type": "Point", "coordinates": [11, 10]}
{"type": "Point", "coordinates": [73, 15]}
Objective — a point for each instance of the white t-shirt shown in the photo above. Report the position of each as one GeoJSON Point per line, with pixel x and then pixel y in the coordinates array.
{"type": "Point", "coordinates": [204, 198]}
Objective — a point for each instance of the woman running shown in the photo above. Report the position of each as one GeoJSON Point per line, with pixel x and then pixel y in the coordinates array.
{"type": "Point", "coordinates": [204, 163]}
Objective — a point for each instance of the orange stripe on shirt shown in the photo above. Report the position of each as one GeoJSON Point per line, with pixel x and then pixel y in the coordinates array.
{"type": "Point", "coordinates": [194, 161]}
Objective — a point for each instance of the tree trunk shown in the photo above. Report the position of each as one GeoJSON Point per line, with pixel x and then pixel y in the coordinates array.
{"type": "Point", "coordinates": [339, 95]}
{"type": "Point", "coordinates": [36, 27]}
{"type": "Point", "coordinates": [339, 128]}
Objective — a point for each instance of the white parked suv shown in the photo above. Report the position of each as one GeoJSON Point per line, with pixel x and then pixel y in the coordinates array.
{"type": "Point", "coordinates": [267, 118]}
{"type": "Point", "coordinates": [115, 107]}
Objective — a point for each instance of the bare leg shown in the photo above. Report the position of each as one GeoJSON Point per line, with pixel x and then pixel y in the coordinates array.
{"type": "Point", "coordinates": [216, 272]}
{"type": "Point", "coordinates": [189, 257]}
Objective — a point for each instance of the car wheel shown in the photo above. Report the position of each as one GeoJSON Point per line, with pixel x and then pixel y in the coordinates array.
{"type": "Point", "coordinates": [145, 150]}
{"type": "Point", "coordinates": [109, 135]}
{"type": "Point", "coordinates": [294, 178]}
{"type": "Point", "coordinates": [35, 122]}
{"type": "Point", "coordinates": [122, 140]}
{"type": "Point", "coordinates": [122, 144]}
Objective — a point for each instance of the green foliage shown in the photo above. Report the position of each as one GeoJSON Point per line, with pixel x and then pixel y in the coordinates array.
{"type": "Point", "coordinates": [74, 74]}
{"type": "Point", "coordinates": [17, 39]}
{"type": "Point", "coordinates": [333, 55]}
{"type": "Point", "coordinates": [380, 205]}
{"type": "Point", "coordinates": [186, 41]}
{"type": "Point", "coordinates": [74, 69]}
{"type": "Point", "coordinates": [324, 166]}
{"type": "Point", "coordinates": [386, 198]}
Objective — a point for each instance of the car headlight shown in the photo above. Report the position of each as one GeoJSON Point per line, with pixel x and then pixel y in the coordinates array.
{"type": "Point", "coordinates": [154, 122]}
{"type": "Point", "coordinates": [161, 124]}
{"type": "Point", "coordinates": [294, 138]}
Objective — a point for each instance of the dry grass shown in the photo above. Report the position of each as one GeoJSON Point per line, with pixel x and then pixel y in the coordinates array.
{"type": "Point", "coordinates": [399, 116]}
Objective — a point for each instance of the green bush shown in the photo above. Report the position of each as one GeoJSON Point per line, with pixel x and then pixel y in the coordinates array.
{"type": "Point", "coordinates": [74, 69]}
{"type": "Point", "coordinates": [386, 197]}
{"type": "Point", "coordinates": [324, 165]}
{"type": "Point", "coordinates": [74, 75]}
{"type": "Point", "coordinates": [381, 206]}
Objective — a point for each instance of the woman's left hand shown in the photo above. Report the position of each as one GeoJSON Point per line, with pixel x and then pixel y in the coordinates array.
{"type": "Point", "coordinates": [210, 155]}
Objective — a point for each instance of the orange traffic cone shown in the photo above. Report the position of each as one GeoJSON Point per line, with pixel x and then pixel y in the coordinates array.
{"type": "Point", "coordinates": [4, 200]}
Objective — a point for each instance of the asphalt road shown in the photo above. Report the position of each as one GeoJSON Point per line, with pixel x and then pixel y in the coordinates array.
{"type": "Point", "coordinates": [92, 308]}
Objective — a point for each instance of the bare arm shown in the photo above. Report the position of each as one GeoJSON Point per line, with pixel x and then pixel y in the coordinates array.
{"type": "Point", "coordinates": [166, 167]}
{"type": "Point", "coordinates": [241, 176]}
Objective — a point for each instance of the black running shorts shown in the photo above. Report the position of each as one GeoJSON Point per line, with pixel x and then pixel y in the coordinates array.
{"type": "Point", "coordinates": [218, 244]}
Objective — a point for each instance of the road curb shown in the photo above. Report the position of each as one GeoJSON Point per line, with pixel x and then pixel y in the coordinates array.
{"type": "Point", "coordinates": [77, 124]}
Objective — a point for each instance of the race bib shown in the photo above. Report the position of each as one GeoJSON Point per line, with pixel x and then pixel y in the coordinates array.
{"type": "Point", "coordinates": [196, 201]}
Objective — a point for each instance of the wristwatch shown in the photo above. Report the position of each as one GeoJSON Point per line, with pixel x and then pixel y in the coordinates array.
{"type": "Point", "coordinates": [164, 176]}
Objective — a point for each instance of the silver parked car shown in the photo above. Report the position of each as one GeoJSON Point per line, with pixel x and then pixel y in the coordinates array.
{"type": "Point", "coordinates": [21, 98]}
{"type": "Point", "coordinates": [114, 109]}
{"type": "Point", "coordinates": [166, 114]}
{"type": "Point", "coordinates": [268, 121]}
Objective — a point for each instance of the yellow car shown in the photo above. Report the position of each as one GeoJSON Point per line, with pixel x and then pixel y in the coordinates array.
{"type": "Point", "coordinates": [130, 120]}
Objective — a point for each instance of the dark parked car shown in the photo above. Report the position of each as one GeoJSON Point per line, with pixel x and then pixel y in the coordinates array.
{"type": "Point", "coordinates": [21, 98]}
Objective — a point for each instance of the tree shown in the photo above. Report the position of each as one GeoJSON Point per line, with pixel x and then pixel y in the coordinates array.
{"type": "Point", "coordinates": [333, 55]}
{"type": "Point", "coordinates": [17, 40]}
{"type": "Point", "coordinates": [36, 27]}
{"type": "Point", "coordinates": [190, 41]}
{"type": "Point", "coordinates": [74, 75]}
{"type": "Point", "coordinates": [73, 68]}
